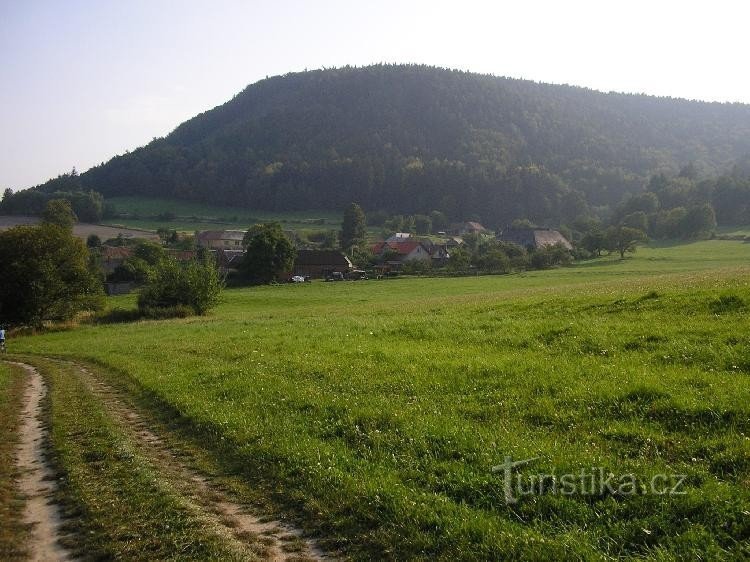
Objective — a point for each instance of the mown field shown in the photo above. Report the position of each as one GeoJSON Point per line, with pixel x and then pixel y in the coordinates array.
{"type": "Point", "coordinates": [376, 410]}
{"type": "Point", "coordinates": [190, 217]}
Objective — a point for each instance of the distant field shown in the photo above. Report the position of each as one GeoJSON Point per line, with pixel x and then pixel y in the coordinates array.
{"type": "Point", "coordinates": [82, 230]}
{"type": "Point", "coordinates": [375, 410]}
{"type": "Point", "coordinates": [196, 216]}
{"type": "Point", "coordinates": [734, 230]}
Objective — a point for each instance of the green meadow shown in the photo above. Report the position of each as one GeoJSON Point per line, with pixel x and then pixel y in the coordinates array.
{"type": "Point", "coordinates": [374, 411]}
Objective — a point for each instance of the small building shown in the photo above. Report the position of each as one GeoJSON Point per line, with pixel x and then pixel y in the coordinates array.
{"type": "Point", "coordinates": [226, 239]}
{"type": "Point", "coordinates": [321, 263]}
{"type": "Point", "coordinates": [534, 238]}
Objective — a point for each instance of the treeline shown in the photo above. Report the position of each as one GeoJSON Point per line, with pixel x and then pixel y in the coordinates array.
{"type": "Point", "coordinates": [412, 139]}
{"type": "Point", "coordinates": [87, 204]}
{"type": "Point", "coordinates": [684, 206]}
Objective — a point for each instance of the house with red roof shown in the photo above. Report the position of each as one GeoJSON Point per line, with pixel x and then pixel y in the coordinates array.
{"type": "Point", "coordinates": [401, 251]}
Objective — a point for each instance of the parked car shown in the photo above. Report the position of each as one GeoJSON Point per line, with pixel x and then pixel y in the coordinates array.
{"type": "Point", "coordinates": [356, 275]}
{"type": "Point", "coordinates": [298, 279]}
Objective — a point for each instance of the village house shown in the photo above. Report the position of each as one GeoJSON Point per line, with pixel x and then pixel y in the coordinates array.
{"type": "Point", "coordinates": [534, 238]}
{"type": "Point", "coordinates": [402, 251]}
{"type": "Point", "coordinates": [215, 239]}
{"type": "Point", "coordinates": [321, 263]}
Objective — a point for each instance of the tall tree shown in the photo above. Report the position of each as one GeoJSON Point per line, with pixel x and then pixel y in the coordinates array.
{"type": "Point", "coordinates": [353, 227]}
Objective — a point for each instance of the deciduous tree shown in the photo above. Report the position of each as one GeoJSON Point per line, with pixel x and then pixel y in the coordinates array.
{"type": "Point", "coordinates": [622, 239]}
{"type": "Point", "coordinates": [45, 275]}
{"type": "Point", "coordinates": [269, 253]}
{"type": "Point", "coordinates": [59, 212]}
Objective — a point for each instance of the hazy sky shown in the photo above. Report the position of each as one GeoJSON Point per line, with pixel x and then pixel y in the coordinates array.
{"type": "Point", "coordinates": [81, 81]}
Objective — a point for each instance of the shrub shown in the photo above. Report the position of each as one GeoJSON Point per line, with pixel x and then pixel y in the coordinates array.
{"type": "Point", "coordinates": [194, 285]}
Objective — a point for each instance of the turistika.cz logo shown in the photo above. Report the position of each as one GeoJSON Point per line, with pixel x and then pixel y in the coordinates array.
{"type": "Point", "coordinates": [592, 481]}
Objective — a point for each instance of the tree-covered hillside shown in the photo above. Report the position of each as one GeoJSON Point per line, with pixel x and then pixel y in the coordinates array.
{"type": "Point", "coordinates": [412, 139]}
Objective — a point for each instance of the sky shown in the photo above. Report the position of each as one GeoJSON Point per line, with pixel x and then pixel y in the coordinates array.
{"type": "Point", "coordinates": [82, 81]}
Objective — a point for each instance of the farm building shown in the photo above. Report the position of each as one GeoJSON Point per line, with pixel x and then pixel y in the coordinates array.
{"type": "Point", "coordinates": [534, 238]}
{"type": "Point", "coordinates": [320, 263]}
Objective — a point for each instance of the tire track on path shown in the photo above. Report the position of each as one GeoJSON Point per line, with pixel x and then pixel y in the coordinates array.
{"type": "Point", "coordinates": [37, 478]}
{"type": "Point", "coordinates": [276, 540]}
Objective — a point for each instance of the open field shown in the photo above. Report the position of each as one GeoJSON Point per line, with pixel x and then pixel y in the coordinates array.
{"type": "Point", "coordinates": [373, 412]}
{"type": "Point", "coordinates": [190, 217]}
{"type": "Point", "coordinates": [82, 230]}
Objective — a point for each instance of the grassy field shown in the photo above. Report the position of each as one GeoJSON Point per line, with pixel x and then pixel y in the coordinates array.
{"type": "Point", "coordinates": [197, 216]}
{"type": "Point", "coordinates": [376, 410]}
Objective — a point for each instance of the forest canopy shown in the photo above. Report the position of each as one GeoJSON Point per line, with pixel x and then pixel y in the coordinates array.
{"type": "Point", "coordinates": [416, 140]}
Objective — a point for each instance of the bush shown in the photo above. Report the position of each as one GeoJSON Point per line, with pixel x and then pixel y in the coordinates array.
{"type": "Point", "coordinates": [172, 287]}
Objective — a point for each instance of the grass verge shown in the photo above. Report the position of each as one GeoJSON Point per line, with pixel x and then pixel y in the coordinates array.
{"type": "Point", "coordinates": [13, 532]}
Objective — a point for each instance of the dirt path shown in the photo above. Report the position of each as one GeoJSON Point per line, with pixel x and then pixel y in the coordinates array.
{"type": "Point", "coordinates": [37, 481]}
{"type": "Point", "coordinates": [273, 540]}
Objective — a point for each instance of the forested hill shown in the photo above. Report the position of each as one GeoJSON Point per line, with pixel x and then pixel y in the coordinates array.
{"type": "Point", "coordinates": [411, 139]}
